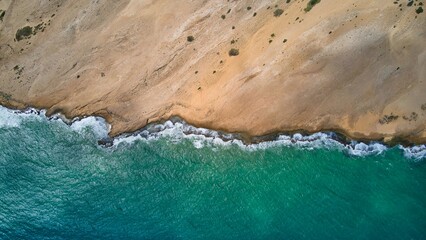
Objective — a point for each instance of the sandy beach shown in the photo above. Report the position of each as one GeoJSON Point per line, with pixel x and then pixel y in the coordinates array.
{"type": "Point", "coordinates": [354, 67]}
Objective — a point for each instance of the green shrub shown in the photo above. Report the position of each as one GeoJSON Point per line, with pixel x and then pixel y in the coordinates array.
{"type": "Point", "coordinates": [234, 52]}
{"type": "Point", "coordinates": [24, 33]}
{"type": "Point", "coordinates": [2, 13]}
{"type": "Point", "coordinates": [311, 4]}
{"type": "Point", "coordinates": [278, 12]}
{"type": "Point", "coordinates": [190, 38]}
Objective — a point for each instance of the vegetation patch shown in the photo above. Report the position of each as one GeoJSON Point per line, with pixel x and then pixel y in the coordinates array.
{"type": "Point", "coordinates": [38, 27]}
{"type": "Point", "coordinates": [27, 31]}
{"type": "Point", "coordinates": [412, 117]}
{"type": "Point", "coordinates": [234, 52]}
{"type": "Point", "coordinates": [190, 38]}
{"type": "Point", "coordinates": [419, 10]}
{"type": "Point", "coordinates": [5, 96]}
{"type": "Point", "coordinates": [311, 4]}
{"type": "Point", "coordinates": [18, 70]}
{"type": "Point", "coordinates": [2, 13]}
{"type": "Point", "coordinates": [24, 33]}
{"type": "Point", "coordinates": [278, 12]}
{"type": "Point", "coordinates": [386, 119]}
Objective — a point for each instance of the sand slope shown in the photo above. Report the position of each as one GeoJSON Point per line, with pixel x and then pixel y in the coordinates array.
{"type": "Point", "coordinates": [358, 67]}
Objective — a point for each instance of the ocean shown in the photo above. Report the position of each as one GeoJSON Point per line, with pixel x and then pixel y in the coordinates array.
{"type": "Point", "coordinates": [180, 182]}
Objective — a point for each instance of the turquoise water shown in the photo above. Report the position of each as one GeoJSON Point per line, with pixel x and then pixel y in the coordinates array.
{"type": "Point", "coordinates": [57, 183]}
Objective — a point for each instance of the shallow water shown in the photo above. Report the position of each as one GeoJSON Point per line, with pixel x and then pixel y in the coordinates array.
{"type": "Point", "coordinates": [57, 183]}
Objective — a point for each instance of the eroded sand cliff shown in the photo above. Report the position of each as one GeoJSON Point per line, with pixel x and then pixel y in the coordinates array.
{"type": "Point", "coordinates": [358, 67]}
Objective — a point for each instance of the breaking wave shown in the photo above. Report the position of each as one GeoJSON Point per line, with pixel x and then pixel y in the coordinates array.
{"type": "Point", "coordinates": [177, 130]}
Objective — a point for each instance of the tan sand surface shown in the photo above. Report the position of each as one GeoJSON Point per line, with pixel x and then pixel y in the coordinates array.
{"type": "Point", "coordinates": [354, 66]}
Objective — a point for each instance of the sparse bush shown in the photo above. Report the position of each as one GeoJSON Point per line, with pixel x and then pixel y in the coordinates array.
{"type": "Point", "coordinates": [311, 4]}
{"type": "Point", "coordinates": [5, 96]}
{"type": "Point", "coordinates": [419, 10]}
{"type": "Point", "coordinates": [24, 33]}
{"type": "Point", "coordinates": [386, 119]}
{"type": "Point", "coordinates": [2, 13]}
{"type": "Point", "coordinates": [190, 38]}
{"type": "Point", "coordinates": [234, 52]}
{"type": "Point", "coordinates": [278, 12]}
{"type": "Point", "coordinates": [18, 70]}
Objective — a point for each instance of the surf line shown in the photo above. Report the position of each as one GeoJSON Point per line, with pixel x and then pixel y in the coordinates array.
{"type": "Point", "coordinates": [177, 129]}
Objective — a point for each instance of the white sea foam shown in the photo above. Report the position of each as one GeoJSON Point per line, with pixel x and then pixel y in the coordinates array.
{"type": "Point", "coordinates": [96, 125]}
{"type": "Point", "coordinates": [361, 149]}
{"type": "Point", "coordinates": [8, 119]}
{"type": "Point", "coordinates": [201, 137]}
{"type": "Point", "coordinates": [416, 152]}
{"type": "Point", "coordinates": [13, 118]}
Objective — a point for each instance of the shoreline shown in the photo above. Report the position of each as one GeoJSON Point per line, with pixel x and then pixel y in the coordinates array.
{"type": "Point", "coordinates": [177, 130]}
{"type": "Point", "coordinates": [153, 128]}
{"type": "Point", "coordinates": [346, 68]}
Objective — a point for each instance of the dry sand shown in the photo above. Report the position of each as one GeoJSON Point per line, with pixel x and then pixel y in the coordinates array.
{"type": "Point", "coordinates": [356, 67]}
